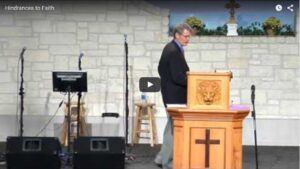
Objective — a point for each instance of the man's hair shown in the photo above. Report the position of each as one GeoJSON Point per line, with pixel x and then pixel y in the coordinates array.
{"type": "Point", "coordinates": [181, 27]}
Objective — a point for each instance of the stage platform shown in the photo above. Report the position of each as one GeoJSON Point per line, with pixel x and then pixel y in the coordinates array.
{"type": "Point", "coordinates": [269, 157]}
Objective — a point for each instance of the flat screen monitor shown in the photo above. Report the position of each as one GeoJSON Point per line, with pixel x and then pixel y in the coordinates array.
{"type": "Point", "coordinates": [69, 81]}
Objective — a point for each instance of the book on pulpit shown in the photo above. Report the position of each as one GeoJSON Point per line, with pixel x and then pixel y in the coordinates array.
{"type": "Point", "coordinates": [176, 106]}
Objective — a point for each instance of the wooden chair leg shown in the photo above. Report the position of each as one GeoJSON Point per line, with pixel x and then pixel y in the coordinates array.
{"type": "Point", "coordinates": [154, 127]}
{"type": "Point", "coordinates": [138, 132]}
{"type": "Point", "coordinates": [64, 137]}
{"type": "Point", "coordinates": [149, 112]}
{"type": "Point", "coordinates": [135, 128]}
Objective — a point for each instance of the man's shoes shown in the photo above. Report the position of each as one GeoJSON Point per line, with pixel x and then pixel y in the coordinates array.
{"type": "Point", "coordinates": [158, 160]}
{"type": "Point", "coordinates": [2, 159]}
{"type": "Point", "coordinates": [158, 165]}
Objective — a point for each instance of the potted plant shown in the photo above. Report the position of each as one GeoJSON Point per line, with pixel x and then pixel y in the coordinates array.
{"type": "Point", "coordinates": [271, 26]}
{"type": "Point", "coordinates": [195, 23]}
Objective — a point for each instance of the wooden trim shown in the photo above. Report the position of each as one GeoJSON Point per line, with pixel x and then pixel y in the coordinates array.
{"type": "Point", "coordinates": [211, 73]}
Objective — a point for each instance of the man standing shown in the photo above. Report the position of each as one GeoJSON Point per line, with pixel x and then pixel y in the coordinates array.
{"type": "Point", "coordinates": [172, 69]}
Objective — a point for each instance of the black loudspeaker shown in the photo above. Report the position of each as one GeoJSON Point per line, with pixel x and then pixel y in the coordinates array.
{"type": "Point", "coordinates": [99, 153]}
{"type": "Point", "coordinates": [33, 153]}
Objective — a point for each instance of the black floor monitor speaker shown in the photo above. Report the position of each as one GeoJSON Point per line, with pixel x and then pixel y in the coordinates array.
{"type": "Point", "coordinates": [99, 153]}
{"type": "Point", "coordinates": [33, 153]}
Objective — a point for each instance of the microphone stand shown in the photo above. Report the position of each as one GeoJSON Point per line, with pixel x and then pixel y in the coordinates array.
{"type": "Point", "coordinates": [127, 156]}
{"type": "Point", "coordinates": [68, 162]}
{"type": "Point", "coordinates": [69, 123]}
{"type": "Point", "coordinates": [21, 93]}
{"type": "Point", "coordinates": [126, 90]}
{"type": "Point", "coordinates": [254, 123]}
{"type": "Point", "coordinates": [79, 97]}
{"type": "Point", "coordinates": [68, 156]}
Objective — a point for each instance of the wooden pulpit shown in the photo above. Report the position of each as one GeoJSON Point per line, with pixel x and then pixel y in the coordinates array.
{"type": "Point", "coordinates": [208, 132]}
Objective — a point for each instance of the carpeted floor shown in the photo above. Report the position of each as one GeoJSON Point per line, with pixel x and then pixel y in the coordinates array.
{"type": "Point", "coordinates": [269, 157]}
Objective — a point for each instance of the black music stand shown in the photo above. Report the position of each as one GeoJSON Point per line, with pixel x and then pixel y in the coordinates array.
{"type": "Point", "coordinates": [69, 81]}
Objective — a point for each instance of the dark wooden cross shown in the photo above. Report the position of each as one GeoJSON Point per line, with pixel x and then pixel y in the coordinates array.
{"type": "Point", "coordinates": [232, 5]}
{"type": "Point", "coordinates": [207, 141]}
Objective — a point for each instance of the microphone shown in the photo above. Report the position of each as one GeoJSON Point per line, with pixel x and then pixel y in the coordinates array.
{"type": "Point", "coordinates": [79, 59]}
{"type": "Point", "coordinates": [252, 93]}
{"type": "Point", "coordinates": [22, 52]}
{"type": "Point", "coordinates": [125, 37]}
{"type": "Point", "coordinates": [81, 54]}
{"type": "Point", "coordinates": [126, 45]}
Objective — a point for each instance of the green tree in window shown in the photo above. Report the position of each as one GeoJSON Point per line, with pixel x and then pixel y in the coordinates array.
{"type": "Point", "coordinates": [272, 26]}
{"type": "Point", "coordinates": [195, 23]}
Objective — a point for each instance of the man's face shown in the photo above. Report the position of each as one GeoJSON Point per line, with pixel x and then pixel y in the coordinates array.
{"type": "Point", "coordinates": [183, 38]}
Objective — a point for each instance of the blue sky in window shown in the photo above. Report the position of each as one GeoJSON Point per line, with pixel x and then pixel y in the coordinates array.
{"type": "Point", "coordinates": [214, 14]}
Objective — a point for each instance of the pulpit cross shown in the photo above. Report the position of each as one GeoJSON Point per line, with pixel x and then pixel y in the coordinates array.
{"type": "Point", "coordinates": [207, 141]}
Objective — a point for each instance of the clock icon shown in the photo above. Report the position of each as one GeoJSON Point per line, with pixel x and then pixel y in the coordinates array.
{"type": "Point", "coordinates": [278, 7]}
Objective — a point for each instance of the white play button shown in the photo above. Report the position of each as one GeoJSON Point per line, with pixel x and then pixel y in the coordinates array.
{"type": "Point", "coordinates": [149, 84]}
